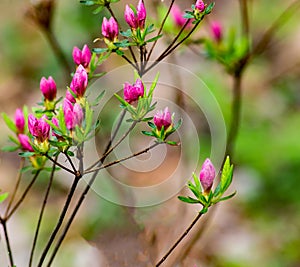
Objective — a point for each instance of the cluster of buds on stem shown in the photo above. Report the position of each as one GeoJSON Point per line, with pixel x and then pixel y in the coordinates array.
{"type": "Point", "coordinates": [199, 9]}
{"type": "Point", "coordinates": [163, 118]}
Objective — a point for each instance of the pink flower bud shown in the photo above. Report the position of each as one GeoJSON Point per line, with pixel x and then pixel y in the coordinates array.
{"type": "Point", "coordinates": [136, 20]}
{"type": "Point", "coordinates": [134, 91]}
{"type": "Point", "coordinates": [130, 17]}
{"type": "Point", "coordinates": [79, 82]}
{"type": "Point", "coordinates": [73, 114]}
{"type": "Point", "coordinates": [77, 115]}
{"type": "Point", "coordinates": [177, 16]}
{"type": "Point", "coordinates": [110, 29]}
{"type": "Point", "coordinates": [48, 88]}
{"type": "Point", "coordinates": [216, 30]}
{"type": "Point", "coordinates": [141, 14]}
{"type": "Point", "coordinates": [82, 57]}
{"type": "Point", "coordinates": [163, 118]}
{"type": "Point", "coordinates": [207, 175]}
{"type": "Point", "coordinates": [200, 6]}
{"type": "Point", "coordinates": [39, 128]}
{"type": "Point", "coordinates": [24, 141]}
{"type": "Point", "coordinates": [19, 120]}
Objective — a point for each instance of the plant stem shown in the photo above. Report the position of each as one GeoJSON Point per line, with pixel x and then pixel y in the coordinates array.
{"type": "Point", "coordinates": [84, 193]}
{"type": "Point", "coordinates": [160, 29]}
{"type": "Point", "coordinates": [170, 49]}
{"type": "Point", "coordinates": [60, 220]}
{"type": "Point", "coordinates": [235, 113]}
{"type": "Point", "coordinates": [16, 187]}
{"type": "Point", "coordinates": [58, 51]}
{"type": "Point", "coordinates": [113, 147]}
{"type": "Point", "coordinates": [71, 162]}
{"type": "Point", "coordinates": [179, 239]}
{"type": "Point", "coordinates": [41, 214]}
{"type": "Point", "coordinates": [60, 165]}
{"type": "Point", "coordinates": [19, 202]}
{"type": "Point", "coordinates": [123, 159]}
{"type": "Point", "coordinates": [8, 247]}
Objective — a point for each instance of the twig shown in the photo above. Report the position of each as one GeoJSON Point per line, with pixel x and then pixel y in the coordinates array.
{"type": "Point", "coordinates": [71, 162]}
{"type": "Point", "coordinates": [179, 239]}
{"type": "Point", "coordinates": [113, 147]}
{"type": "Point", "coordinates": [123, 159]}
{"type": "Point", "coordinates": [60, 165]}
{"type": "Point", "coordinates": [23, 196]}
{"type": "Point", "coordinates": [8, 247]}
{"type": "Point", "coordinates": [84, 193]}
{"type": "Point", "coordinates": [41, 214]}
{"type": "Point", "coordinates": [16, 187]}
{"type": "Point", "coordinates": [160, 29]}
{"type": "Point", "coordinates": [60, 220]}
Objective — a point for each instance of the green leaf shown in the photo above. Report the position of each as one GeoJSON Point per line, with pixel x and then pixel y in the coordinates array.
{"type": "Point", "coordinates": [98, 10]}
{"type": "Point", "coordinates": [178, 124]}
{"type": "Point", "coordinates": [172, 143]}
{"type": "Point", "coordinates": [153, 85]}
{"type": "Point", "coordinates": [147, 119]}
{"type": "Point", "coordinates": [99, 50]}
{"type": "Point", "coordinates": [98, 98]}
{"type": "Point", "coordinates": [26, 169]}
{"type": "Point", "coordinates": [87, 2]}
{"type": "Point", "coordinates": [3, 197]}
{"type": "Point", "coordinates": [148, 133]}
{"type": "Point", "coordinates": [10, 148]}
{"type": "Point", "coordinates": [26, 154]}
{"type": "Point", "coordinates": [122, 101]}
{"type": "Point", "coordinates": [189, 200]}
{"type": "Point", "coordinates": [188, 16]}
{"type": "Point", "coordinates": [119, 52]}
{"type": "Point", "coordinates": [154, 38]}
{"type": "Point", "coordinates": [194, 189]}
{"type": "Point", "coordinates": [70, 153]}
{"type": "Point", "coordinates": [197, 182]}
{"type": "Point", "coordinates": [209, 8]}
{"type": "Point", "coordinates": [152, 125]}
{"type": "Point", "coordinates": [9, 122]}
{"type": "Point", "coordinates": [227, 197]}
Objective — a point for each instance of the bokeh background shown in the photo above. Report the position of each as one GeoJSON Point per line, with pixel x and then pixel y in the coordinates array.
{"type": "Point", "coordinates": [260, 226]}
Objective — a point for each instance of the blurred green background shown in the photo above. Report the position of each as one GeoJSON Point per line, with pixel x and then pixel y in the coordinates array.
{"type": "Point", "coordinates": [261, 225]}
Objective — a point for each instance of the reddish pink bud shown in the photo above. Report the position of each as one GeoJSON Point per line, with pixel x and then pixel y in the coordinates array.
{"type": "Point", "coordinates": [141, 14]}
{"type": "Point", "coordinates": [79, 82]}
{"type": "Point", "coordinates": [177, 16]}
{"type": "Point", "coordinates": [19, 120]}
{"type": "Point", "coordinates": [136, 20]}
{"type": "Point", "coordinates": [73, 114]}
{"type": "Point", "coordinates": [207, 175]}
{"type": "Point", "coordinates": [134, 91]}
{"type": "Point", "coordinates": [216, 30]}
{"type": "Point", "coordinates": [200, 6]}
{"type": "Point", "coordinates": [39, 128]}
{"type": "Point", "coordinates": [48, 88]}
{"type": "Point", "coordinates": [82, 57]}
{"type": "Point", "coordinates": [110, 29]}
{"type": "Point", "coordinates": [163, 118]}
{"type": "Point", "coordinates": [24, 141]}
